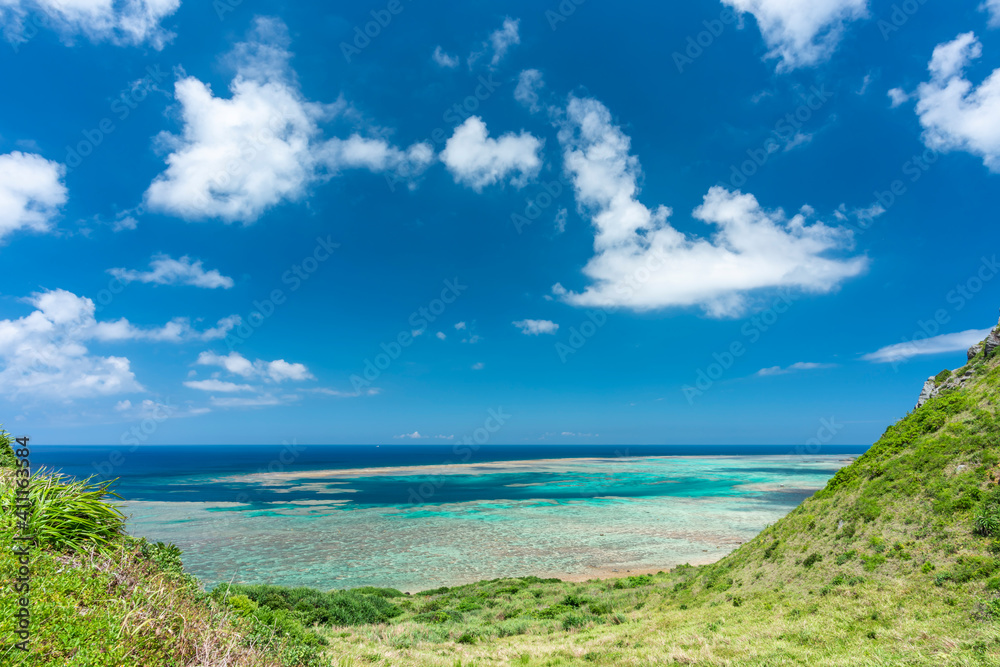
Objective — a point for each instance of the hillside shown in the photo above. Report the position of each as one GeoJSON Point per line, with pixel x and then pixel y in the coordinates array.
{"type": "Point", "coordinates": [895, 562]}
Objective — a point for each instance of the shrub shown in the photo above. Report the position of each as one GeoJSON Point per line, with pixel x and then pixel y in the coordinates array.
{"type": "Point", "coordinates": [634, 582]}
{"type": "Point", "coordinates": [311, 606]}
{"type": "Point", "coordinates": [987, 520]}
{"type": "Point", "coordinates": [812, 559]}
{"type": "Point", "coordinates": [844, 557]}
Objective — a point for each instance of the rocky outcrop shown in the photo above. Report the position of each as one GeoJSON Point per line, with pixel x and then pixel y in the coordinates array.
{"type": "Point", "coordinates": [934, 386]}
{"type": "Point", "coordinates": [929, 391]}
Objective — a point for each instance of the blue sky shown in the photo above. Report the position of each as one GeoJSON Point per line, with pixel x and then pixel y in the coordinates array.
{"type": "Point", "coordinates": [723, 222]}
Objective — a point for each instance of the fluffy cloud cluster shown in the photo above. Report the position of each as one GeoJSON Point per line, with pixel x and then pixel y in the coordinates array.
{"type": "Point", "coordinates": [275, 371]}
{"type": "Point", "coordinates": [117, 21]}
{"type": "Point", "coordinates": [642, 262]}
{"type": "Point", "coordinates": [45, 354]}
{"type": "Point", "coordinates": [476, 160]}
{"type": "Point", "coordinates": [800, 34]}
{"type": "Point", "coordinates": [31, 192]}
{"type": "Point", "coordinates": [955, 114]}
{"type": "Point", "coordinates": [164, 270]}
{"type": "Point", "coordinates": [268, 372]}
{"type": "Point", "coordinates": [237, 157]}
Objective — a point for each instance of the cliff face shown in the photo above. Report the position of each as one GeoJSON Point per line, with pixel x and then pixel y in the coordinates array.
{"type": "Point", "coordinates": [955, 379]}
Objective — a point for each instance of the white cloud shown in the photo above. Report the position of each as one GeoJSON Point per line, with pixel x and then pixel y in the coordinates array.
{"type": "Point", "coordinates": [526, 92]}
{"type": "Point", "coordinates": [443, 59]}
{"type": "Point", "coordinates": [797, 366]}
{"type": "Point", "coordinates": [897, 96]}
{"type": "Point", "coordinates": [954, 114]}
{"type": "Point", "coordinates": [536, 327]}
{"type": "Point", "coordinates": [478, 366]}
{"type": "Point", "coordinates": [236, 158]}
{"type": "Point", "coordinates": [503, 38]}
{"type": "Point", "coordinates": [953, 342]}
{"type": "Point", "coordinates": [579, 435]}
{"type": "Point", "coordinates": [281, 370]}
{"type": "Point", "coordinates": [499, 42]}
{"type": "Point", "coordinates": [459, 325]}
{"type": "Point", "coordinates": [372, 391]}
{"type": "Point", "coordinates": [798, 33]}
{"type": "Point", "coordinates": [121, 406]}
{"type": "Point", "coordinates": [45, 353]}
{"type": "Point", "coordinates": [164, 270]}
{"type": "Point", "coordinates": [993, 7]}
{"type": "Point", "coordinates": [476, 160]}
{"type": "Point", "coordinates": [441, 335]}
{"type": "Point", "coordinates": [262, 401]}
{"type": "Point", "coordinates": [128, 22]}
{"type": "Point", "coordinates": [235, 363]}
{"type": "Point", "coordinates": [643, 263]}
{"type": "Point", "coordinates": [217, 385]}
{"type": "Point", "coordinates": [31, 192]}
{"type": "Point", "coordinates": [412, 436]}
{"type": "Point", "coordinates": [561, 216]}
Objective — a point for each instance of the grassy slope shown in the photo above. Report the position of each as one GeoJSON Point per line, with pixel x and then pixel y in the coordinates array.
{"type": "Point", "coordinates": [882, 567]}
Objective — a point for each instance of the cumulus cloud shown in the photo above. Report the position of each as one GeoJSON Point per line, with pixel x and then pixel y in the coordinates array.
{"type": "Point", "coordinates": [528, 84]}
{"type": "Point", "coordinates": [235, 363]}
{"type": "Point", "coordinates": [165, 270]}
{"type": "Point", "coordinates": [641, 262]}
{"type": "Point", "coordinates": [237, 157]}
{"type": "Point", "coordinates": [476, 160]}
{"type": "Point", "coordinates": [478, 366]}
{"type": "Point", "coordinates": [953, 342]}
{"type": "Point", "coordinates": [124, 22]}
{"type": "Point", "coordinates": [797, 366]}
{"type": "Point", "coordinates": [45, 353]}
{"type": "Point", "coordinates": [800, 34]}
{"type": "Point", "coordinates": [443, 59]}
{"type": "Point", "coordinates": [412, 436]}
{"type": "Point", "coordinates": [536, 327]}
{"type": "Point", "coordinates": [31, 192]}
{"type": "Point", "coordinates": [955, 114]}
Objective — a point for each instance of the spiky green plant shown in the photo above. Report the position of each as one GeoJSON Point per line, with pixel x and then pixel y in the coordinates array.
{"type": "Point", "coordinates": [7, 457]}
{"type": "Point", "coordinates": [69, 514]}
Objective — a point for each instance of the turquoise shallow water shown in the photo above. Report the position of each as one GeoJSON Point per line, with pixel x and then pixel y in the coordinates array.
{"type": "Point", "coordinates": [422, 527]}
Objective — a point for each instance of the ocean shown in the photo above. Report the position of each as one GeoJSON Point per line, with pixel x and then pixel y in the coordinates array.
{"type": "Point", "coordinates": [415, 517]}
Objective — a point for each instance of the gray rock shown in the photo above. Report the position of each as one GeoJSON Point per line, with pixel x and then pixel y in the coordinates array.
{"type": "Point", "coordinates": [975, 349]}
{"type": "Point", "coordinates": [930, 391]}
{"type": "Point", "coordinates": [992, 341]}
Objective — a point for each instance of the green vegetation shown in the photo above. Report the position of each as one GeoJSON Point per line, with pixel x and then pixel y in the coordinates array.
{"type": "Point", "coordinates": [895, 561]}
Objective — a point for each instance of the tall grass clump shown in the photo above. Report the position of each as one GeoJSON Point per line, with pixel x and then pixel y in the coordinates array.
{"type": "Point", "coordinates": [68, 514]}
